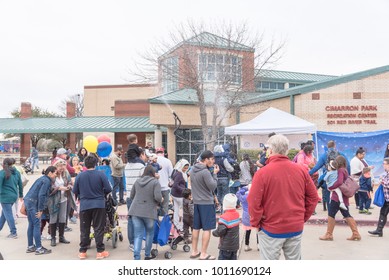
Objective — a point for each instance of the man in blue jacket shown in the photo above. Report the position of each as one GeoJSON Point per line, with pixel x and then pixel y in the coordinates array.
{"type": "Point", "coordinates": [321, 163]}
{"type": "Point", "coordinates": [91, 188]}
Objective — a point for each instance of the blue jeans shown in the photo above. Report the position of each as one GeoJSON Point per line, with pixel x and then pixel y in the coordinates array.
{"type": "Point", "coordinates": [222, 189]}
{"type": "Point", "coordinates": [130, 226]}
{"type": "Point", "coordinates": [140, 226]}
{"type": "Point", "coordinates": [118, 185]}
{"type": "Point", "coordinates": [6, 215]}
{"type": "Point", "coordinates": [228, 255]}
{"type": "Point", "coordinates": [35, 162]}
{"type": "Point", "coordinates": [34, 224]}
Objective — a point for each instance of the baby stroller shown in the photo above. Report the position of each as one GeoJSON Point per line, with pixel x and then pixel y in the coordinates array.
{"type": "Point", "coordinates": [112, 230]}
{"type": "Point", "coordinates": [167, 233]}
{"type": "Point", "coordinates": [27, 166]}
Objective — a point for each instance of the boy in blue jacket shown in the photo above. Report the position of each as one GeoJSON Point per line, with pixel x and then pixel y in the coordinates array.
{"type": "Point", "coordinates": [364, 191]}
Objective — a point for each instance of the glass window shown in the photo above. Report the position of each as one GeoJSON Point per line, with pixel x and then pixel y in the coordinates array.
{"type": "Point", "coordinates": [220, 68]}
{"type": "Point", "coordinates": [170, 73]}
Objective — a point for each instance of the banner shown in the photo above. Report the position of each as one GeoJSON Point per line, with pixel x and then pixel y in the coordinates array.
{"type": "Point", "coordinates": [374, 143]}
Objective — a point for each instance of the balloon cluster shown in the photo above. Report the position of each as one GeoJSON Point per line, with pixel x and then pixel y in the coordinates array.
{"type": "Point", "coordinates": [100, 145]}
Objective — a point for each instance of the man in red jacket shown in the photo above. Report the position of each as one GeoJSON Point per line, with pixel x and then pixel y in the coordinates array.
{"type": "Point", "coordinates": [281, 199]}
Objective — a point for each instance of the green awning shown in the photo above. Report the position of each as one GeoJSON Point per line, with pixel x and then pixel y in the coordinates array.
{"type": "Point", "coordinates": [79, 124]}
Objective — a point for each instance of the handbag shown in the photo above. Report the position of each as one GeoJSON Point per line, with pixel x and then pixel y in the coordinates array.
{"type": "Point", "coordinates": [349, 187]}
{"type": "Point", "coordinates": [379, 197]}
{"type": "Point", "coordinates": [23, 209]}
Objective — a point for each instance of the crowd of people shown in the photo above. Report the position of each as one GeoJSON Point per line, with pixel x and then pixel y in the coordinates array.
{"type": "Point", "coordinates": [145, 180]}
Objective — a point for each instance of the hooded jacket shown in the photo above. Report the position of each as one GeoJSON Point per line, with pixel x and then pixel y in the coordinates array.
{"type": "Point", "coordinates": [224, 160]}
{"type": "Point", "coordinates": [179, 178]}
{"type": "Point", "coordinates": [146, 196]}
{"type": "Point", "coordinates": [203, 184]}
{"type": "Point", "coordinates": [11, 188]}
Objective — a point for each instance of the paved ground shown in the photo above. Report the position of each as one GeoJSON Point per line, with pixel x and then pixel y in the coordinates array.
{"type": "Point", "coordinates": [369, 247]}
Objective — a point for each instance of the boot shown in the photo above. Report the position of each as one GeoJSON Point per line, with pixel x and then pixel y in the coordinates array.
{"type": "Point", "coordinates": [53, 232]}
{"type": "Point", "coordinates": [353, 225]}
{"type": "Point", "coordinates": [330, 229]}
{"type": "Point", "coordinates": [61, 234]}
{"type": "Point", "coordinates": [380, 226]}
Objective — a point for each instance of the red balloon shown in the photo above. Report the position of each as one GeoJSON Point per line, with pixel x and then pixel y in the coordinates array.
{"type": "Point", "coordinates": [103, 138]}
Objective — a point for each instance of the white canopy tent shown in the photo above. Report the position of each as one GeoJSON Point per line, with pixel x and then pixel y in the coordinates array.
{"type": "Point", "coordinates": [254, 132]}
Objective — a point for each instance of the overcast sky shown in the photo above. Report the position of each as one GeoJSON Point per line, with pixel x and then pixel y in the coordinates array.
{"type": "Point", "coordinates": [51, 49]}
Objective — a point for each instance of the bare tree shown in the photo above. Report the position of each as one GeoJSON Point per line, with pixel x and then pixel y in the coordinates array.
{"type": "Point", "coordinates": [78, 99]}
{"type": "Point", "coordinates": [36, 113]}
{"type": "Point", "coordinates": [220, 63]}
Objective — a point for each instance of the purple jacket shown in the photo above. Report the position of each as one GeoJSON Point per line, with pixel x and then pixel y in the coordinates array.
{"type": "Point", "coordinates": [179, 184]}
{"type": "Point", "coordinates": [242, 196]}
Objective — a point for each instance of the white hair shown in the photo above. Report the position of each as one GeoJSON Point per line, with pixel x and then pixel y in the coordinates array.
{"type": "Point", "coordinates": [279, 144]}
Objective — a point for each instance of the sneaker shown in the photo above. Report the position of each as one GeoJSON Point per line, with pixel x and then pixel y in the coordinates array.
{"type": "Point", "coordinates": [73, 220]}
{"type": "Point", "coordinates": [67, 229]}
{"type": "Point", "coordinates": [361, 211]}
{"type": "Point", "coordinates": [150, 257]}
{"type": "Point", "coordinates": [42, 251]}
{"type": "Point", "coordinates": [131, 247]}
{"type": "Point", "coordinates": [82, 255]}
{"type": "Point", "coordinates": [102, 255]}
{"type": "Point", "coordinates": [367, 212]}
{"type": "Point", "coordinates": [12, 235]}
{"type": "Point", "coordinates": [48, 237]}
{"type": "Point", "coordinates": [247, 248]}
{"type": "Point", "coordinates": [31, 249]}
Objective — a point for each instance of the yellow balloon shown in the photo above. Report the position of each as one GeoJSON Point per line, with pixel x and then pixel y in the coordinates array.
{"type": "Point", "coordinates": [91, 143]}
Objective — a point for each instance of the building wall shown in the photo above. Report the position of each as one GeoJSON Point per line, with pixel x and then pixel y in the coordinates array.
{"type": "Point", "coordinates": [369, 113]}
{"type": "Point", "coordinates": [189, 115]}
{"type": "Point", "coordinates": [100, 100]}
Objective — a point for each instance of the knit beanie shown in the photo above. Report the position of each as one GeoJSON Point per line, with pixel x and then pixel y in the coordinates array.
{"type": "Point", "coordinates": [229, 201]}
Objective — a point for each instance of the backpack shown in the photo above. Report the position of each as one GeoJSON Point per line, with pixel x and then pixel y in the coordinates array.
{"type": "Point", "coordinates": [235, 174]}
{"type": "Point", "coordinates": [331, 155]}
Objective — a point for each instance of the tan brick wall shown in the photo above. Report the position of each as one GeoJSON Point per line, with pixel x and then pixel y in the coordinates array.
{"type": "Point", "coordinates": [98, 100]}
{"type": "Point", "coordinates": [374, 92]}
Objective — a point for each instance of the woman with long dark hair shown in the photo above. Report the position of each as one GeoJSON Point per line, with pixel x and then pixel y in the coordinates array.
{"type": "Point", "coordinates": [35, 202]}
{"type": "Point", "coordinates": [334, 205]}
{"type": "Point", "coordinates": [146, 196]}
{"type": "Point", "coordinates": [11, 188]}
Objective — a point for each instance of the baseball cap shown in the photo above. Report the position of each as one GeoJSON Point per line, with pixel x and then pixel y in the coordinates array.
{"type": "Point", "coordinates": [61, 151]}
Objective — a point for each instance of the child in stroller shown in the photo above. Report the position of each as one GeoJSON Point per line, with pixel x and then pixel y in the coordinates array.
{"type": "Point", "coordinates": [27, 166]}
{"type": "Point", "coordinates": [112, 230]}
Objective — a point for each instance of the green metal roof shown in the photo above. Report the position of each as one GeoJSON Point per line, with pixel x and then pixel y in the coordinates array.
{"type": "Point", "coordinates": [209, 40]}
{"type": "Point", "coordinates": [80, 124]}
{"type": "Point", "coordinates": [287, 76]}
{"type": "Point", "coordinates": [189, 97]}
{"type": "Point", "coordinates": [317, 85]}
{"type": "Point", "coordinates": [206, 39]}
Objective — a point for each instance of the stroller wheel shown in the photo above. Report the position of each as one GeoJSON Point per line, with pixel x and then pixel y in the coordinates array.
{"type": "Point", "coordinates": [120, 236]}
{"type": "Point", "coordinates": [174, 246]}
{"type": "Point", "coordinates": [186, 248]}
{"type": "Point", "coordinates": [114, 238]}
{"type": "Point", "coordinates": [154, 252]}
{"type": "Point", "coordinates": [168, 255]}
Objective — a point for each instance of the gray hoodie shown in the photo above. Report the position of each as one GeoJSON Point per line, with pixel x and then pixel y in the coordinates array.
{"type": "Point", "coordinates": [146, 196]}
{"type": "Point", "coordinates": [203, 183]}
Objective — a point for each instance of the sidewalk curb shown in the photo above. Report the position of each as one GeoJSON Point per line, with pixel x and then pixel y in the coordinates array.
{"type": "Point", "coordinates": [323, 221]}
